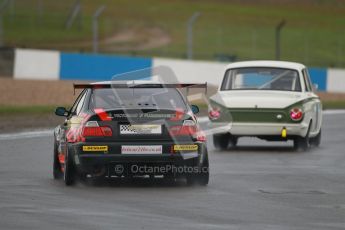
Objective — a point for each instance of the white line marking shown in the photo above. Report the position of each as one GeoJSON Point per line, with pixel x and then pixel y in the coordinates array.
{"type": "Point", "coordinates": [328, 112]}
{"type": "Point", "coordinates": [24, 135]}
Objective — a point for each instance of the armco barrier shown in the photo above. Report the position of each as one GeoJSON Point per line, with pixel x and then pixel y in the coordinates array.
{"type": "Point", "coordinates": [38, 64]}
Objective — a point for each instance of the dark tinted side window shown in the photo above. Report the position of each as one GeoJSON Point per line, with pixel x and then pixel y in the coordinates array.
{"type": "Point", "coordinates": [76, 103]}
{"type": "Point", "coordinates": [80, 104]}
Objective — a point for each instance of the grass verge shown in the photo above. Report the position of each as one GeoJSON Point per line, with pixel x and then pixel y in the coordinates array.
{"type": "Point", "coordinates": [244, 29]}
{"type": "Point", "coordinates": [333, 105]}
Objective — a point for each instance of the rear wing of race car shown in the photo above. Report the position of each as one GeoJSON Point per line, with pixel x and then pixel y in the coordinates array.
{"type": "Point", "coordinates": [187, 86]}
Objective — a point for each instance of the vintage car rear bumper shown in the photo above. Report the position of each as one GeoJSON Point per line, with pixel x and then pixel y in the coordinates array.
{"type": "Point", "coordinates": [271, 129]}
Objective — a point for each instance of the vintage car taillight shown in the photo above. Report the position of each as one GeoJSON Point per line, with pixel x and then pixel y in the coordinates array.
{"type": "Point", "coordinates": [189, 128]}
{"type": "Point", "coordinates": [296, 114]}
{"type": "Point", "coordinates": [92, 129]}
{"type": "Point", "coordinates": [214, 113]}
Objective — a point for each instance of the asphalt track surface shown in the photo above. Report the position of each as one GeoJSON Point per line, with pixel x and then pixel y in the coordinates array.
{"type": "Point", "coordinates": [257, 186]}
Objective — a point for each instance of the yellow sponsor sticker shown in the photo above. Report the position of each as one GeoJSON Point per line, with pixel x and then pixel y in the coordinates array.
{"type": "Point", "coordinates": [185, 147]}
{"type": "Point", "coordinates": [102, 148]}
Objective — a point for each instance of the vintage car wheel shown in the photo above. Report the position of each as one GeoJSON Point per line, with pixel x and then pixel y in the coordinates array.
{"type": "Point", "coordinates": [69, 170]}
{"type": "Point", "coordinates": [222, 141]}
{"type": "Point", "coordinates": [315, 141]}
{"type": "Point", "coordinates": [202, 177]}
{"type": "Point", "coordinates": [57, 173]}
{"type": "Point", "coordinates": [302, 143]}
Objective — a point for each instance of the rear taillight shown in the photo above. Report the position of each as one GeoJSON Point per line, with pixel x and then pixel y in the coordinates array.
{"type": "Point", "coordinates": [92, 129]}
{"type": "Point", "coordinates": [296, 114]}
{"type": "Point", "coordinates": [189, 128]}
{"type": "Point", "coordinates": [214, 114]}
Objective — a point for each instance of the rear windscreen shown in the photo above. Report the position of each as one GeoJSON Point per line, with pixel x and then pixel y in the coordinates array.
{"type": "Point", "coordinates": [158, 98]}
{"type": "Point", "coordinates": [261, 78]}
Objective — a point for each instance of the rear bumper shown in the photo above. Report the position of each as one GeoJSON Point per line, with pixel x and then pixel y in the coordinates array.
{"type": "Point", "coordinates": [269, 129]}
{"type": "Point", "coordinates": [87, 162]}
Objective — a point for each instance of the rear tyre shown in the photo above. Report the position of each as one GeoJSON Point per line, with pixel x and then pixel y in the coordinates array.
{"type": "Point", "coordinates": [302, 143]}
{"type": "Point", "coordinates": [315, 141]}
{"type": "Point", "coordinates": [223, 141]}
{"type": "Point", "coordinates": [201, 177]}
{"type": "Point", "coordinates": [57, 173]}
{"type": "Point", "coordinates": [69, 170]}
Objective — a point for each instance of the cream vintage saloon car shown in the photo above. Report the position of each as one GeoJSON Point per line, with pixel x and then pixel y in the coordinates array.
{"type": "Point", "coordinates": [271, 100]}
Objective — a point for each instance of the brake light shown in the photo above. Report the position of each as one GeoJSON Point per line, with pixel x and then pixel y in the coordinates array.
{"type": "Point", "coordinates": [189, 128]}
{"type": "Point", "coordinates": [214, 114]}
{"type": "Point", "coordinates": [296, 114]}
{"type": "Point", "coordinates": [92, 129]}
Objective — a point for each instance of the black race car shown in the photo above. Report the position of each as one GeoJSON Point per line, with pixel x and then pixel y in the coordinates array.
{"type": "Point", "coordinates": [128, 130]}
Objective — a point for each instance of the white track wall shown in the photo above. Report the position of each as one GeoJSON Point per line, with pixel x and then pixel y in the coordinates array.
{"type": "Point", "coordinates": [336, 80]}
{"type": "Point", "coordinates": [36, 64]}
{"type": "Point", "coordinates": [194, 71]}
{"type": "Point", "coordinates": [54, 65]}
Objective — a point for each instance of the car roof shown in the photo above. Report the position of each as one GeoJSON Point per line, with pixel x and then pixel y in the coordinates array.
{"type": "Point", "coordinates": [277, 64]}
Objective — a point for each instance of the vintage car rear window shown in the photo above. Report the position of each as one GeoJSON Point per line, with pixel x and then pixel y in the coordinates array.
{"type": "Point", "coordinates": [261, 78]}
{"type": "Point", "coordinates": [157, 98]}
